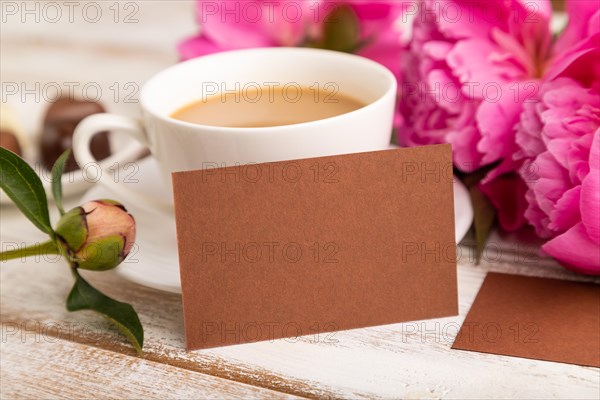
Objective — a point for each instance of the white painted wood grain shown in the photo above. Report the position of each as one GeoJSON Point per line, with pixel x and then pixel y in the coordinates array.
{"type": "Point", "coordinates": [41, 367]}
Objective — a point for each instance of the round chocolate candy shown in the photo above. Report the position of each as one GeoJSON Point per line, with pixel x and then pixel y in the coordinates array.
{"type": "Point", "coordinates": [12, 136]}
{"type": "Point", "coordinates": [59, 124]}
{"type": "Point", "coordinates": [9, 141]}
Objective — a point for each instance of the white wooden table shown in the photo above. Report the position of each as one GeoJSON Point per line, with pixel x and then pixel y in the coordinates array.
{"type": "Point", "coordinates": [47, 352]}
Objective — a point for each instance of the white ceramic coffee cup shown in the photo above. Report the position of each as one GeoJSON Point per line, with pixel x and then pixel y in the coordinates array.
{"type": "Point", "coordinates": [180, 146]}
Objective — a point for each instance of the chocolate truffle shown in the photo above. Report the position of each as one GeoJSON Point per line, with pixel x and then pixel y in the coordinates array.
{"type": "Point", "coordinates": [12, 136]}
{"type": "Point", "coordinates": [9, 141]}
{"type": "Point", "coordinates": [59, 124]}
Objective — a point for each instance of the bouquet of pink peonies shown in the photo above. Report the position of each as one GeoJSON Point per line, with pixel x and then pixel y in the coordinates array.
{"type": "Point", "coordinates": [519, 103]}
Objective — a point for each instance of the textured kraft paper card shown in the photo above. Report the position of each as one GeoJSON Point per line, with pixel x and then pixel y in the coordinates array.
{"type": "Point", "coordinates": [303, 247]}
{"type": "Point", "coordinates": [537, 318]}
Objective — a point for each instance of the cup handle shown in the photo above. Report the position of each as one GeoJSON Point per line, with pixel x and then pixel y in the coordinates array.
{"type": "Point", "coordinates": [90, 126]}
{"type": "Point", "coordinates": [85, 131]}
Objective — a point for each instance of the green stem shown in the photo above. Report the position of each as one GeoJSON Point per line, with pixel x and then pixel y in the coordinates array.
{"type": "Point", "coordinates": [38, 249]}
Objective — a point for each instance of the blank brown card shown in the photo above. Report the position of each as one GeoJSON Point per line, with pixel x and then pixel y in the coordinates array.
{"type": "Point", "coordinates": [538, 318]}
{"type": "Point", "coordinates": [302, 247]}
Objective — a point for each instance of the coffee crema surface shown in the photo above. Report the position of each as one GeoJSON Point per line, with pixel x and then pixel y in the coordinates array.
{"type": "Point", "coordinates": [268, 106]}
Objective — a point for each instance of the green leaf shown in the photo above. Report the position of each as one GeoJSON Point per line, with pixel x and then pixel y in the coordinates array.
{"type": "Point", "coordinates": [394, 140]}
{"type": "Point", "coordinates": [85, 297]}
{"type": "Point", "coordinates": [484, 216]}
{"type": "Point", "coordinates": [57, 172]}
{"type": "Point", "coordinates": [25, 189]}
{"type": "Point", "coordinates": [341, 30]}
{"type": "Point", "coordinates": [473, 178]}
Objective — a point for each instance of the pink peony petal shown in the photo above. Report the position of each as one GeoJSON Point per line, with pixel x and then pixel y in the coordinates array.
{"type": "Point", "coordinates": [256, 23]}
{"type": "Point", "coordinates": [496, 121]}
{"type": "Point", "coordinates": [198, 46]}
{"type": "Point", "coordinates": [536, 216]}
{"type": "Point", "coordinates": [583, 22]}
{"type": "Point", "coordinates": [559, 148]}
{"type": "Point", "coordinates": [594, 24]}
{"type": "Point", "coordinates": [578, 158]}
{"type": "Point", "coordinates": [376, 17]}
{"type": "Point", "coordinates": [528, 132]}
{"type": "Point", "coordinates": [471, 62]}
{"type": "Point", "coordinates": [551, 182]}
{"type": "Point", "coordinates": [232, 28]}
{"type": "Point", "coordinates": [464, 148]}
{"type": "Point", "coordinates": [575, 250]}
{"type": "Point", "coordinates": [447, 93]}
{"type": "Point", "coordinates": [566, 211]}
{"type": "Point", "coordinates": [437, 50]}
{"type": "Point", "coordinates": [387, 51]}
{"type": "Point", "coordinates": [460, 19]}
{"type": "Point", "coordinates": [567, 58]}
{"type": "Point", "coordinates": [507, 194]}
{"type": "Point", "coordinates": [590, 193]}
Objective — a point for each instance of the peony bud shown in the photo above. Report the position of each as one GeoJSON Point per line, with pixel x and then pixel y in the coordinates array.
{"type": "Point", "coordinates": [96, 236]}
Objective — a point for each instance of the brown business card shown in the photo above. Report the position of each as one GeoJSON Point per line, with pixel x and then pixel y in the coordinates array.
{"type": "Point", "coordinates": [538, 318]}
{"type": "Point", "coordinates": [302, 247]}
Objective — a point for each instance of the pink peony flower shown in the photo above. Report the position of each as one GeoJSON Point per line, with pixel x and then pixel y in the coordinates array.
{"type": "Point", "coordinates": [246, 24]}
{"type": "Point", "coordinates": [559, 136]}
{"type": "Point", "coordinates": [229, 25]}
{"type": "Point", "coordinates": [470, 67]}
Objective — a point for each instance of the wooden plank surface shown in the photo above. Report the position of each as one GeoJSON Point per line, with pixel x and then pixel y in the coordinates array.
{"type": "Point", "coordinates": [400, 360]}
{"type": "Point", "coordinates": [41, 367]}
{"type": "Point", "coordinates": [411, 360]}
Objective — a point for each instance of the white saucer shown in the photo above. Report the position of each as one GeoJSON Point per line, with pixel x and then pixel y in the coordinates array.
{"type": "Point", "coordinates": [153, 261]}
